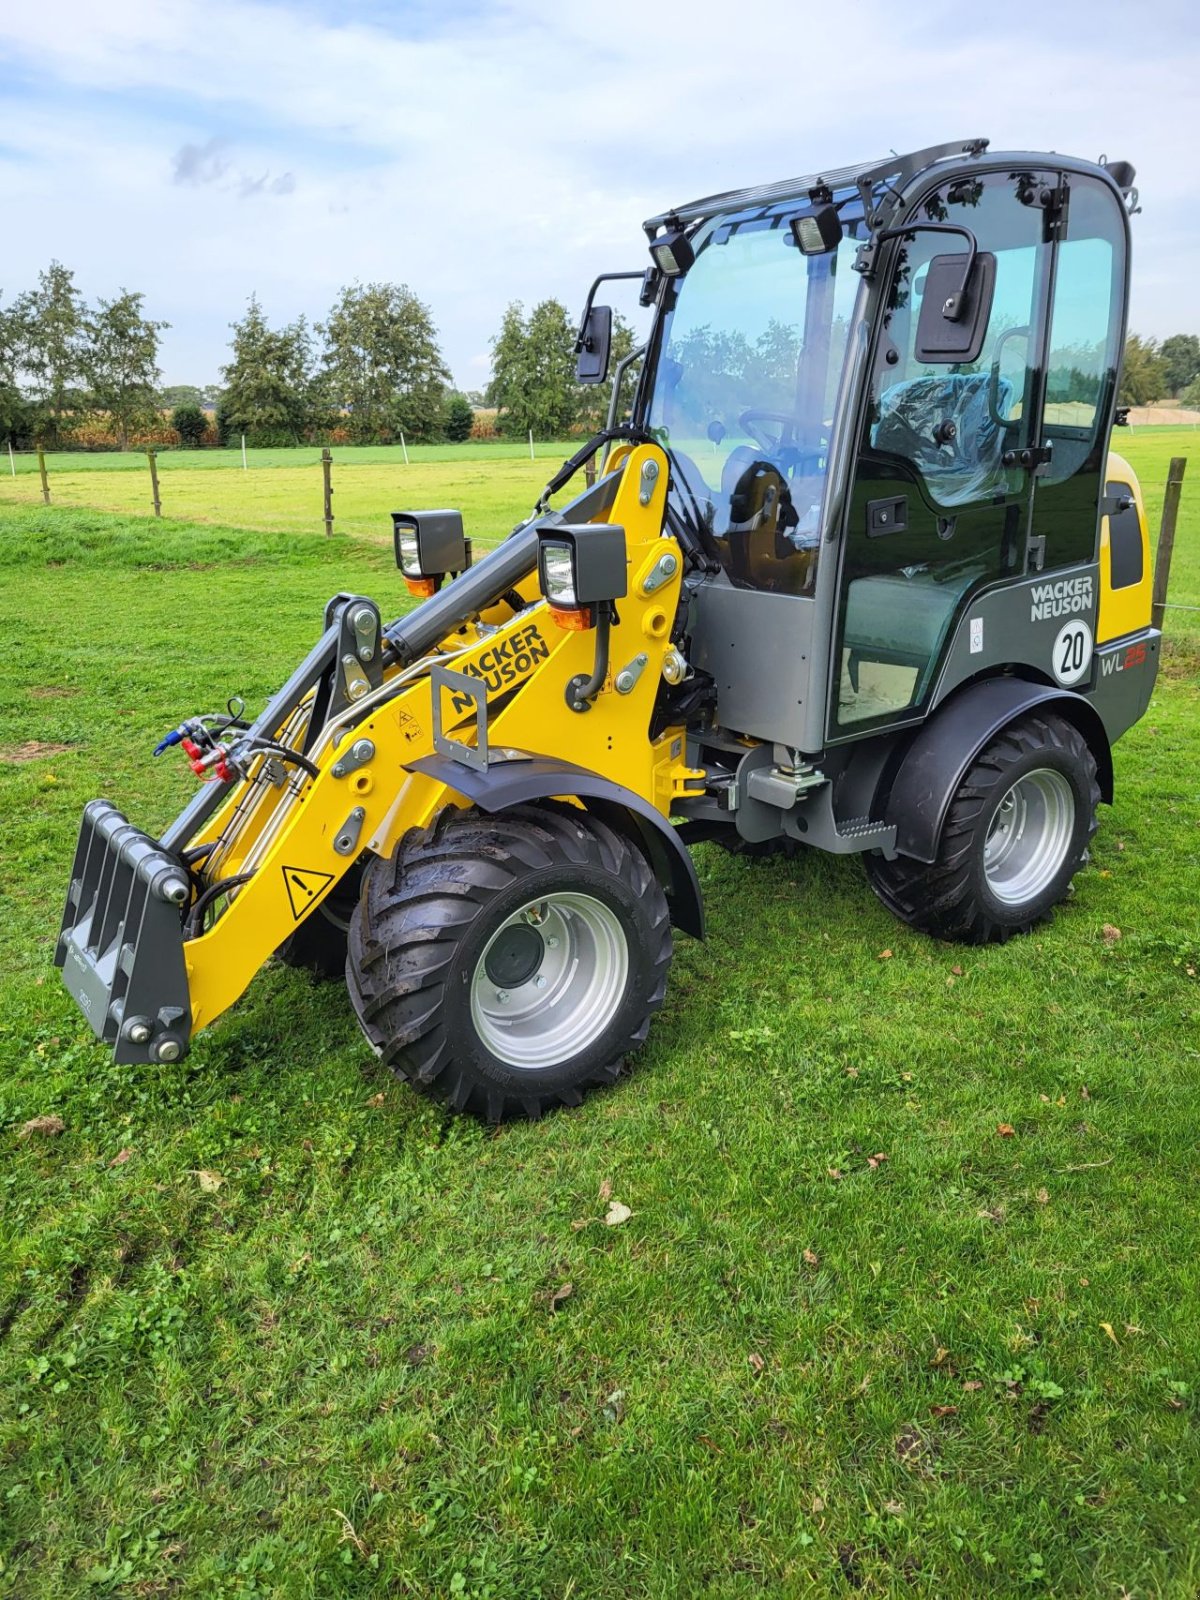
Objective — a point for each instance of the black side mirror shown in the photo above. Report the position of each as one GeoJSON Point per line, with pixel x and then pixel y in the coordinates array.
{"type": "Point", "coordinates": [954, 313]}
{"type": "Point", "coordinates": [716, 430]}
{"type": "Point", "coordinates": [593, 345]}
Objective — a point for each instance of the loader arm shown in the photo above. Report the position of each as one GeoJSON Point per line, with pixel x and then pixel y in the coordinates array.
{"type": "Point", "coordinates": [276, 842]}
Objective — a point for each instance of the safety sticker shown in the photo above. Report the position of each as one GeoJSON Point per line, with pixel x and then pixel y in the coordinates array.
{"type": "Point", "coordinates": [303, 887]}
{"type": "Point", "coordinates": [976, 636]}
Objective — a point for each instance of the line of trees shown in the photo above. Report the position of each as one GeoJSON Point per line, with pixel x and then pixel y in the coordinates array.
{"type": "Point", "coordinates": [370, 372]}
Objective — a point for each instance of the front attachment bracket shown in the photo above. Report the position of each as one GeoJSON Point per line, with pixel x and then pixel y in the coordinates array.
{"type": "Point", "coordinates": [464, 693]}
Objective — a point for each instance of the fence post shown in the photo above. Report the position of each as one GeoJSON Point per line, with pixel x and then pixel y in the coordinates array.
{"type": "Point", "coordinates": [403, 447]}
{"type": "Point", "coordinates": [243, 452]}
{"type": "Point", "coordinates": [1166, 539]}
{"type": "Point", "coordinates": [327, 474]}
{"type": "Point", "coordinates": [531, 455]}
{"type": "Point", "coordinates": [12, 460]}
{"type": "Point", "coordinates": [41, 455]}
{"type": "Point", "coordinates": [152, 458]}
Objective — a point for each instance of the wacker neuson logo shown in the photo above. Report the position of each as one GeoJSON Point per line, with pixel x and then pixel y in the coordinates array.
{"type": "Point", "coordinates": [506, 662]}
{"type": "Point", "coordinates": [1063, 598]}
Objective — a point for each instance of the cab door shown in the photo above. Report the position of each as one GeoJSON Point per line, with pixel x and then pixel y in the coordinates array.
{"type": "Point", "coordinates": [942, 489]}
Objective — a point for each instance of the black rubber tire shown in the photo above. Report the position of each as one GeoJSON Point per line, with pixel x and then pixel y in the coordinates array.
{"type": "Point", "coordinates": [319, 944]}
{"type": "Point", "coordinates": [950, 898]}
{"type": "Point", "coordinates": [426, 915]}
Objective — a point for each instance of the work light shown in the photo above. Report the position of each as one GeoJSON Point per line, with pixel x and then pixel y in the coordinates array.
{"type": "Point", "coordinates": [429, 544]}
{"type": "Point", "coordinates": [581, 566]}
{"type": "Point", "coordinates": [673, 253]}
{"type": "Point", "coordinates": [818, 231]}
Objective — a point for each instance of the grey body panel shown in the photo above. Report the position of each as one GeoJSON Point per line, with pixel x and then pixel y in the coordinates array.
{"type": "Point", "coordinates": [517, 781]}
{"type": "Point", "coordinates": [758, 649]}
{"type": "Point", "coordinates": [1017, 628]}
{"type": "Point", "coordinates": [1125, 673]}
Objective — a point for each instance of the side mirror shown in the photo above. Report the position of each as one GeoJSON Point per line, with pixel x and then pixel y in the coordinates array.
{"type": "Point", "coordinates": [593, 345]}
{"type": "Point", "coordinates": [954, 313]}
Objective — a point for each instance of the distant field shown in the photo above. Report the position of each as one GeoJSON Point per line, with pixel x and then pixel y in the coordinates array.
{"type": "Point", "coordinates": [280, 491]}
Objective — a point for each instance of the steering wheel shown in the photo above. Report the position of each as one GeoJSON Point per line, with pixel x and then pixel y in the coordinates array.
{"type": "Point", "coordinates": [789, 424]}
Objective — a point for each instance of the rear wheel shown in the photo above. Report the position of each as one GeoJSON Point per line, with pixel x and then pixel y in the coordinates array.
{"type": "Point", "coordinates": [506, 964]}
{"type": "Point", "coordinates": [1016, 833]}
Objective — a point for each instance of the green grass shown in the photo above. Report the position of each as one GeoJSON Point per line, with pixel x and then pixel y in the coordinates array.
{"type": "Point", "coordinates": [798, 1369]}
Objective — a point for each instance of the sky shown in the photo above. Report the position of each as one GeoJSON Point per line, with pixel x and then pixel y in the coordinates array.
{"type": "Point", "coordinates": [481, 152]}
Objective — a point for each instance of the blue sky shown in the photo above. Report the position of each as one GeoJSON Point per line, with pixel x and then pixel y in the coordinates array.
{"type": "Point", "coordinates": [204, 150]}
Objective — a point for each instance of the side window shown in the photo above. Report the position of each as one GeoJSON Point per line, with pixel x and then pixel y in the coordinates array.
{"type": "Point", "coordinates": [954, 423]}
{"type": "Point", "coordinates": [1082, 356]}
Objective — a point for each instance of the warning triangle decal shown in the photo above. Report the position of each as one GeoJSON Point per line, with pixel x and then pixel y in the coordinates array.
{"type": "Point", "coordinates": [303, 887]}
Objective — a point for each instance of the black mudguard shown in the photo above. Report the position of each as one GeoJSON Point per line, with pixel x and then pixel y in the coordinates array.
{"type": "Point", "coordinates": [937, 759]}
{"type": "Point", "coordinates": [516, 782]}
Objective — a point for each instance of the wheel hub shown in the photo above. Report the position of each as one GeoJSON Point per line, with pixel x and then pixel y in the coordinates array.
{"type": "Point", "coordinates": [550, 980]}
{"type": "Point", "coordinates": [514, 955]}
{"type": "Point", "coordinates": [1029, 836]}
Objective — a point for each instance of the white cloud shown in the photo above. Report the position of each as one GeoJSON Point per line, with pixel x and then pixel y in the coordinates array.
{"type": "Point", "coordinates": [203, 149]}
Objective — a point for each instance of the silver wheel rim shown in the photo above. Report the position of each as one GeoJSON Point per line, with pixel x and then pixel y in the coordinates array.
{"type": "Point", "coordinates": [550, 980]}
{"type": "Point", "coordinates": [1029, 836]}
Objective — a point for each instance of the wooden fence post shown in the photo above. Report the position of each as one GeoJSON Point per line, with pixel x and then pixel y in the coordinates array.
{"type": "Point", "coordinates": [1166, 540]}
{"type": "Point", "coordinates": [41, 455]}
{"type": "Point", "coordinates": [152, 458]}
{"type": "Point", "coordinates": [327, 474]}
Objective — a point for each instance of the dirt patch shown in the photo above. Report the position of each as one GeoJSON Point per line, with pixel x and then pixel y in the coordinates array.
{"type": "Point", "coordinates": [50, 691]}
{"type": "Point", "coordinates": [31, 750]}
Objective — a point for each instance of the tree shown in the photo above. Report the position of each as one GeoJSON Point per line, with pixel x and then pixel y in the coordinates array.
{"type": "Point", "coordinates": [54, 318]}
{"type": "Point", "coordinates": [182, 394]}
{"type": "Point", "coordinates": [15, 416]}
{"type": "Point", "coordinates": [1191, 396]}
{"type": "Point", "coordinates": [382, 364]}
{"type": "Point", "coordinates": [191, 425]}
{"type": "Point", "coordinates": [1180, 355]}
{"type": "Point", "coordinates": [269, 392]}
{"type": "Point", "coordinates": [460, 418]}
{"type": "Point", "coordinates": [533, 371]}
{"type": "Point", "coordinates": [120, 363]}
{"type": "Point", "coordinates": [1143, 374]}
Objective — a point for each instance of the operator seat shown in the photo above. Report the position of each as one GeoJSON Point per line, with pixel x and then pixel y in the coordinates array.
{"type": "Point", "coordinates": [916, 415]}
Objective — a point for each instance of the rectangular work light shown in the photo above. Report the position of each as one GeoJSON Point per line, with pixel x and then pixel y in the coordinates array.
{"type": "Point", "coordinates": [818, 232]}
{"type": "Point", "coordinates": [429, 544]}
{"type": "Point", "coordinates": [673, 253]}
{"type": "Point", "coordinates": [581, 566]}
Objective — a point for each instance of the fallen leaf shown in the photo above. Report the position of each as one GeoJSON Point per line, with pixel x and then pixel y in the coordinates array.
{"type": "Point", "coordinates": [50, 1126]}
{"type": "Point", "coordinates": [818, 1505]}
{"type": "Point", "coordinates": [1084, 1092]}
{"type": "Point", "coordinates": [972, 1384]}
{"type": "Point", "coordinates": [377, 1099]}
{"type": "Point", "coordinates": [210, 1182]}
{"type": "Point", "coordinates": [943, 1411]}
{"type": "Point", "coordinates": [606, 1190]}
{"type": "Point", "coordinates": [580, 1222]}
{"type": "Point", "coordinates": [121, 1157]}
{"type": "Point", "coordinates": [939, 1356]}
{"type": "Point", "coordinates": [1110, 934]}
{"type": "Point", "coordinates": [756, 1361]}
{"type": "Point", "coordinates": [876, 1160]}
{"type": "Point", "coordinates": [563, 1292]}
{"type": "Point", "coordinates": [885, 955]}
{"type": "Point", "coordinates": [957, 971]}
{"type": "Point", "coordinates": [1108, 1328]}
{"type": "Point", "coordinates": [811, 1258]}
{"type": "Point", "coordinates": [1042, 1197]}
{"type": "Point", "coordinates": [1006, 1130]}
{"type": "Point", "coordinates": [616, 1214]}
{"type": "Point", "coordinates": [1132, 1327]}
{"type": "Point", "coordinates": [614, 1405]}
{"type": "Point", "coordinates": [893, 1508]}
{"type": "Point", "coordinates": [835, 1173]}
{"type": "Point", "coordinates": [852, 1072]}
{"type": "Point", "coordinates": [702, 1438]}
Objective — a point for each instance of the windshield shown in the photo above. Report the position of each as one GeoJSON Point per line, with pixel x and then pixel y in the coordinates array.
{"type": "Point", "coordinates": [748, 374]}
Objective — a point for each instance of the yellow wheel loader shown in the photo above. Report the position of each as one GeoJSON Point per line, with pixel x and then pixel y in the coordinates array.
{"type": "Point", "coordinates": [857, 571]}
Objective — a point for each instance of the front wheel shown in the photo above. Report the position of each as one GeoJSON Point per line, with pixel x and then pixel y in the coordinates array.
{"type": "Point", "coordinates": [1016, 833]}
{"type": "Point", "coordinates": [506, 964]}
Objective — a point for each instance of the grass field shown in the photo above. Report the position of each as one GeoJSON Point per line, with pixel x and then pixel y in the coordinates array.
{"type": "Point", "coordinates": [273, 1326]}
{"type": "Point", "coordinates": [492, 483]}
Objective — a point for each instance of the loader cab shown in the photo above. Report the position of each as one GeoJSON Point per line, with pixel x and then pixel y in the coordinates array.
{"type": "Point", "coordinates": [866, 467]}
